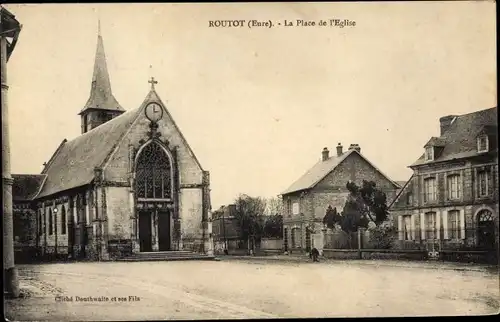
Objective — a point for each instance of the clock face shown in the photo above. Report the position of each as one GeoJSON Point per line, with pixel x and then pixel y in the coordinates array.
{"type": "Point", "coordinates": [154, 112]}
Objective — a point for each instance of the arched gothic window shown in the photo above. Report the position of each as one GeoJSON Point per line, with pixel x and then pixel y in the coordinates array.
{"type": "Point", "coordinates": [153, 173]}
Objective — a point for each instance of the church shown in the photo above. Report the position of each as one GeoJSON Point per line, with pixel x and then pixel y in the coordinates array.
{"type": "Point", "coordinates": [129, 184]}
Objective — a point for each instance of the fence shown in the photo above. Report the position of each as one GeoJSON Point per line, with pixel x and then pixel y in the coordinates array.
{"type": "Point", "coordinates": [338, 239]}
{"type": "Point", "coordinates": [473, 244]}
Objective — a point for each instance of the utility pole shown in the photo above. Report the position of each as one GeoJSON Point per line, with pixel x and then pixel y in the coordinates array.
{"type": "Point", "coordinates": [10, 28]}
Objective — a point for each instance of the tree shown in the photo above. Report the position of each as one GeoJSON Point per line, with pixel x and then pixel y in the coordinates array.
{"type": "Point", "coordinates": [331, 218]}
{"type": "Point", "coordinates": [364, 204]}
{"type": "Point", "coordinates": [273, 226]}
{"type": "Point", "coordinates": [274, 206]}
{"type": "Point", "coordinates": [249, 216]}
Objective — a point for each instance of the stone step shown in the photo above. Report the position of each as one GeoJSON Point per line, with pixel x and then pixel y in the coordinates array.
{"type": "Point", "coordinates": [166, 256]}
{"type": "Point", "coordinates": [170, 257]}
{"type": "Point", "coordinates": [170, 252]}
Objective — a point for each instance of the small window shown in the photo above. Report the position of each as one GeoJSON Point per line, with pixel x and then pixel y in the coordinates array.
{"type": "Point", "coordinates": [429, 189]}
{"type": "Point", "coordinates": [483, 178]}
{"type": "Point", "coordinates": [289, 207]}
{"type": "Point", "coordinates": [454, 185]}
{"type": "Point", "coordinates": [63, 221]}
{"type": "Point", "coordinates": [430, 225]}
{"type": "Point", "coordinates": [429, 153]}
{"type": "Point", "coordinates": [40, 222]}
{"type": "Point", "coordinates": [295, 208]}
{"type": "Point", "coordinates": [409, 199]}
{"type": "Point", "coordinates": [454, 224]}
{"type": "Point", "coordinates": [407, 227]}
{"type": "Point", "coordinates": [51, 227]}
{"type": "Point", "coordinates": [482, 143]}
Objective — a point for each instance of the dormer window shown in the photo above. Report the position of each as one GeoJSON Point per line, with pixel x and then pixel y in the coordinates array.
{"type": "Point", "coordinates": [482, 143]}
{"type": "Point", "coordinates": [429, 153]}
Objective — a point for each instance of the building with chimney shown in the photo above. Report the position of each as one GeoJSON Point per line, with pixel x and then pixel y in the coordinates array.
{"type": "Point", "coordinates": [451, 200]}
{"type": "Point", "coordinates": [305, 202]}
{"type": "Point", "coordinates": [226, 232]}
{"type": "Point", "coordinates": [128, 185]}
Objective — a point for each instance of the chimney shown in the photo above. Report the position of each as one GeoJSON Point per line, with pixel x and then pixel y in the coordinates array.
{"type": "Point", "coordinates": [355, 147]}
{"type": "Point", "coordinates": [339, 149]}
{"type": "Point", "coordinates": [325, 154]}
{"type": "Point", "coordinates": [445, 122]}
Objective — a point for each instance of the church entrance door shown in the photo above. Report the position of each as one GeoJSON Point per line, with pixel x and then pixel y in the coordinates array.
{"type": "Point", "coordinates": [163, 230]}
{"type": "Point", "coordinates": [145, 231]}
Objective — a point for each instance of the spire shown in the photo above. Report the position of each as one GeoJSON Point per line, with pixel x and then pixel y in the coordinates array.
{"type": "Point", "coordinates": [101, 96]}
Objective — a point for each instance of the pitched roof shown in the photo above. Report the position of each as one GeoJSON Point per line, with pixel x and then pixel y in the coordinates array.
{"type": "Point", "coordinates": [404, 185]}
{"type": "Point", "coordinates": [459, 141]}
{"type": "Point", "coordinates": [401, 183]}
{"type": "Point", "coordinates": [73, 165]}
{"type": "Point", "coordinates": [101, 96]}
{"type": "Point", "coordinates": [435, 141]}
{"type": "Point", "coordinates": [26, 186]}
{"type": "Point", "coordinates": [321, 169]}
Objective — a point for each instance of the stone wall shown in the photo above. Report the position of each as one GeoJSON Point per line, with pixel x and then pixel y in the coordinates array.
{"type": "Point", "coordinates": [469, 203]}
{"type": "Point", "coordinates": [271, 243]}
{"type": "Point", "coordinates": [119, 164]}
{"type": "Point", "coordinates": [118, 213]}
{"type": "Point", "coordinates": [330, 191]}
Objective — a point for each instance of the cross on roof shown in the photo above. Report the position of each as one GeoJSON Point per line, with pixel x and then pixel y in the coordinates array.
{"type": "Point", "coordinates": [152, 82]}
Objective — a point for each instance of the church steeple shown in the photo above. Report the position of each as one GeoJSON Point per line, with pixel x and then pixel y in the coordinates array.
{"type": "Point", "coordinates": [101, 105]}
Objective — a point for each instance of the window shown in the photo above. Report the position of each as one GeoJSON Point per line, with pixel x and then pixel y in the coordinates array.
{"type": "Point", "coordinates": [454, 224]}
{"type": "Point", "coordinates": [153, 173]}
{"type": "Point", "coordinates": [409, 198]}
{"type": "Point", "coordinates": [104, 116]}
{"type": "Point", "coordinates": [63, 220]}
{"type": "Point", "coordinates": [40, 223]}
{"type": "Point", "coordinates": [429, 153]}
{"type": "Point", "coordinates": [85, 123]}
{"type": "Point", "coordinates": [50, 223]}
{"type": "Point", "coordinates": [289, 207]}
{"type": "Point", "coordinates": [430, 225]}
{"type": "Point", "coordinates": [295, 208]}
{"type": "Point", "coordinates": [407, 227]}
{"type": "Point", "coordinates": [483, 178]}
{"type": "Point", "coordinates": [429, 189]}
{"type": "Point", "coordinates": [454, 186]}
{"type": "Point", "coordinates": [482, 143]}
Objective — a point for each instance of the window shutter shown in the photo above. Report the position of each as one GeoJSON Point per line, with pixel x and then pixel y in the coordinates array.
{"type": "Point", "coordinates": [422, 225]}
{"type": "Point", "coordinates": [462, 224]}
{"type": "Point", "coordinates": [413, 227]}
{"type": "Point", "coordinates": [400, 227]}
{"type": "Point", "coordinates": [438, 224]}
{"type": "Point", "coordinates": [445, 225]}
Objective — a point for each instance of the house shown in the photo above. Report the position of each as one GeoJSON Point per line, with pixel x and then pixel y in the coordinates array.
{"type": "Point", "coordinates": [305, 202]}
{"type": "Point", "coordinates": [26, 230]}
{"type": "Point", "coordinates": [451, 200]}
{"type": "Point", "coordinates": [225, 230]}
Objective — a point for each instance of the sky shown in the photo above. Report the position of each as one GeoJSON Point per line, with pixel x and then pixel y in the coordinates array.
{"type": "Point", "coordinates": [257, 105]}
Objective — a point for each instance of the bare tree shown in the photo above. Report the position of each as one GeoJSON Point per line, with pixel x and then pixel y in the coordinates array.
{"type": "Point", "coordinates": [274, 206]}
{"type": "Point", "coordinates": [250, 216]}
